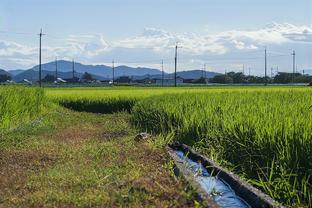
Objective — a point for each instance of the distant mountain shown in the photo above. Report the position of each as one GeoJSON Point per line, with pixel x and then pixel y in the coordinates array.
{"type": "Point", "coordinates": [16, 72]}
{"type": "Point", "coordinates": [100, 72]}
{"type": "Point", "coordinates": [196, 74]}
{"type": "Point", "coordinates": [192, 74]}
{"type": "Point", "coordinates": [32, 75]}
{"type": "Point", "coordinates": [2, 71]}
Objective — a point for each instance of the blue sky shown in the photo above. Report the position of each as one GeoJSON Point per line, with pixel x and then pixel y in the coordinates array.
{"type": "Point", "coordinates": [95, 31]}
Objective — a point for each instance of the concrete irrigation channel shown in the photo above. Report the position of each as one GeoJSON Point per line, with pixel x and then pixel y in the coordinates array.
{"type": "Point", "coordinates": [216, 186]}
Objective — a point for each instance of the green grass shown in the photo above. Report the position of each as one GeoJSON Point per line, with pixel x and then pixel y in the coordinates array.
{"type": "Point", "coordinates": [72, 159]}
{"type": "Point", "coordinates": [262, 133]}
{"type": "Point", "coordinates": [19, 105]}
{"type": "Point", "coordinates": [266, 135]}
{"type": "Point", "coordinates": [115, 99]}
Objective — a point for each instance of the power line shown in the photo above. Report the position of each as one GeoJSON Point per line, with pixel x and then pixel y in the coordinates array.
{"type": "Point", "coordinates": [175, 64]}
{"type": "Point", "coordinates": [294, 66]}
{"type": "Point", "coordinates": [265, 66]}
{"type": "Point", "coordinates": [162, 73]}
{"type": "Point", "coordinates": [40, 37]}
{"type": "Point", "coordinates": [113, 68]}
{"type": "Point", "coordinates": [73, 66]}
{"type": "Point", "coordinates": [56, 69]}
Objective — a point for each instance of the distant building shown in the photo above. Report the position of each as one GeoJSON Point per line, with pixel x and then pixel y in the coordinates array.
{"type": "Point", "coordinates": [123, 79]}
{"type": "Point", "coordinates": [146, 81]}
{"type": "Point", "coordinates": [72, 80]}
{"type": "Point", "coordinates": [189, 81]}
{"type": "Point", "coordinates": [169, 81]}
{"type": "Point", "coordinates": [196, 81]}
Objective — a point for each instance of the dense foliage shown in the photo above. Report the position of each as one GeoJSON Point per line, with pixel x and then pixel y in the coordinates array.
{"type": "Point", "coordinates": [280, 78]}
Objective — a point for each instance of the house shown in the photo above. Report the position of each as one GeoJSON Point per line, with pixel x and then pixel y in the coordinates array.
{"type": "Point", "coordinates": [72, 80]}
{"type": "Point", "coordinates": [188, 81]}
{"type": "Point", "coordinates": [169, 81]}
{"type": "Point", "coordinates": [146, 81]}
{"type": "Point", "coordinates": [123, 79]}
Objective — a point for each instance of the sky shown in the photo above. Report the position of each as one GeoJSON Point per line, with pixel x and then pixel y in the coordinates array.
{"type": "Point", "coordinates": [224, 35]}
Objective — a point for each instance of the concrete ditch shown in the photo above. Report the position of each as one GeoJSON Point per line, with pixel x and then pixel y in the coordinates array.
{"type": "Point", "coordinates": [215, 185]}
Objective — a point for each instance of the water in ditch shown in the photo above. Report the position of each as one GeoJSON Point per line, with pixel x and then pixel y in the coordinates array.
{"type": "Point", "coordinates": [218, 189]}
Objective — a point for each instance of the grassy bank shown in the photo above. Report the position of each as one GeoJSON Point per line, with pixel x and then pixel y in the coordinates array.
{"type": "Point", "coordinates": [72, 159]}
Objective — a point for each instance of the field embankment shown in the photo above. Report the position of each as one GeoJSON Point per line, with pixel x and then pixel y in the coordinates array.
{"type": "Point", "coordinates": [75, 159]}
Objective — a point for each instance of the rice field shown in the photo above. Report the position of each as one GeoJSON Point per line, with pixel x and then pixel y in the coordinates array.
{"type": "Point", "coordinates": [262, 133]}
{"type": "Point", "coordinates": [19, 105]}
{"type": "Point", "coordinates": [113, 99]}
{"type": "Point", "coordinates": [265, 136]}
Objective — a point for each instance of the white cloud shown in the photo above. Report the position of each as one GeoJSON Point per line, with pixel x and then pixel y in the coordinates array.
{"type": "Point", "coordinates": [159, 44]}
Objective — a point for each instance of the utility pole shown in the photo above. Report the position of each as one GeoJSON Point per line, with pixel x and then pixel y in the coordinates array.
{"type": "Point", "coordinates": [249, 71]}
{"type": "Point", "coordinates": [243, 69]}
{"type": "Point", "coordinates": [56, 69]}
{"type": "Point", "coordinates": [265, 67]}
{"type": "Point", "coordinates": [40, 37]}
{"type": "Point", "coordinates": [175, 64]}
{"type": "Point", "coordinates": [271, 72]}
{"type": "Point", "coordinates": [73, 66]}
{"type": "Point", "coordinates": [113, 68]}
{"type": "Point", "coordinates": [162, 73]}
{"type": "Point", "coordinates": [294, 66]}
{"type": "Point", "coordinates": [202, 73]}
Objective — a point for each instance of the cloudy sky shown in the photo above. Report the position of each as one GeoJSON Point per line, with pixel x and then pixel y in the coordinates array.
{"type": "Point", "coordinates": [223, 34]}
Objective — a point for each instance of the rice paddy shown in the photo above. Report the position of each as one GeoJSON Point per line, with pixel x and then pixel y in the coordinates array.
{"type": "Point", "coordinates": [19, 105]}
{"type": "Point", "coordinates": [265, 136]}
{"type": "Point", "coordinates": [262, 133]}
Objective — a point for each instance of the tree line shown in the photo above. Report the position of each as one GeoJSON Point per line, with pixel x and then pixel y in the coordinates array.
{"type": "Point", "coordinates": [280, 78]}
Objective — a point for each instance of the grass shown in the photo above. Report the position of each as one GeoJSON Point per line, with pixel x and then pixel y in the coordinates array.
{"type": "Point", "coordinates": [83, 159]}
{"type": "Point", "coordinates": [264, 135]}
{"type": "Point", "coordinates": [19, 105]}
{"type": "Point", "coordinates": [71, 159]}
{"type": "Point", "coordinates": [116, 99]}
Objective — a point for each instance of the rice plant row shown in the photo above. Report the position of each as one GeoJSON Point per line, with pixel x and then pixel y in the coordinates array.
{"type": "Point", "coordinates": [261, 133]}
{"type": "Point", "coordinates": [19, 105]}
{"type": "Point", "coordinates": [266, 136]}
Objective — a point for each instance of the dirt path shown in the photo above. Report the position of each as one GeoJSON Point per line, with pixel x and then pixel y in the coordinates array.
{"type": "Point", "coordinates": [81, 160]}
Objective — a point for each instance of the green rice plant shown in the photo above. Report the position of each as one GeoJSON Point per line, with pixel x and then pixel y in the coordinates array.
{"type": "Point", "coordinates": [243, 128]}
{"type": "Point", "coordinates": [112, 99]}
{"type": "Point", "coordinates": [247, 128]}
{"type": "Point", "coordinates": [108, 105]}
{"type": "Point", "coordinates": [19, 105]}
